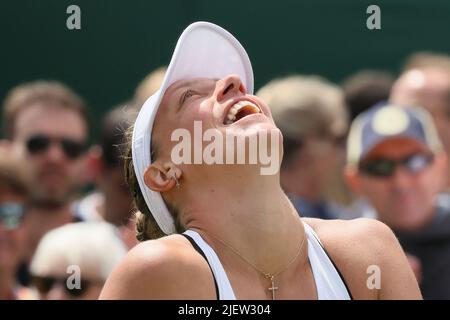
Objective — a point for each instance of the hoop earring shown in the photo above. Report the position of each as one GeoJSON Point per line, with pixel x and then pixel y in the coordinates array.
{"type": "Point", "coordinates": [177, 183]}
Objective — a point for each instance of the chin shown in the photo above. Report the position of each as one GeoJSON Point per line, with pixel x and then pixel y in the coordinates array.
{"type": "Point", "coordinates": [255, 123]}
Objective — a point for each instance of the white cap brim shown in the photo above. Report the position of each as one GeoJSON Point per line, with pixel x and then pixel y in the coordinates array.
{"type": "Point", "coordinates": [204, 50]}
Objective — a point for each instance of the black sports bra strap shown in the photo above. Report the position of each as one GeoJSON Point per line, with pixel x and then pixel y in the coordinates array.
{"type": "Point", "coordinates": [199, 250]}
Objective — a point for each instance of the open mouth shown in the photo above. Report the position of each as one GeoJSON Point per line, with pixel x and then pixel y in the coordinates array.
{"type": "Point", "coordinates": [240, 110]}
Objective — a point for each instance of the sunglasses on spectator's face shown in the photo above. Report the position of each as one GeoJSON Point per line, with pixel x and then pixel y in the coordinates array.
{"type": "Point", "coordinates": [384, 167]}
{"type": "Point", "coordinates": [11, 214]}
{"type": "Point", "coordinates": [45, 284]}
{"type": "Point", "coordinates": [40, 143]}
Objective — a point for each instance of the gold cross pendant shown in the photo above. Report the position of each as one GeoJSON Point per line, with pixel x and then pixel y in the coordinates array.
{"type": "Point", "coordinates": [273, 288]}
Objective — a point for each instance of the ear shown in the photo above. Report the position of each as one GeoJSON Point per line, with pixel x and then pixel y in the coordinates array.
{"type": "Point", "coordinates": [161, 177]}
{"type": "Point", "coordinates": [353, 179]}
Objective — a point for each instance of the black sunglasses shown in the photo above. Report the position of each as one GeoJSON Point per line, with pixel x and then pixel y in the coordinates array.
{"type": "Point", "coordinates": [383, 167]}
{"type": "Point", "coordinates": [40, 143]}
{"type": "Point", "coordinates": [44, 284]}
{"type": "Point", "coordinates": [11, 214]}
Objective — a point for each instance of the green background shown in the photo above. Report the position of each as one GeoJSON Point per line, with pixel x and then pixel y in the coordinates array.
{"type": "Point", "coordinates": [121, 41]}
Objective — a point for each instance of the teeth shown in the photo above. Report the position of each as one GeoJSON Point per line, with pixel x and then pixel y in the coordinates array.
{"type": "Point", "coordinates": [233, 110]}
{"type": "Point", "coordinates": [231, 116]}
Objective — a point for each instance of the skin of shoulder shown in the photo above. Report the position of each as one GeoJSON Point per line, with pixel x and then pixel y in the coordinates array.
{"type": "Point", "coordinates": [163, 269]}
{"type": "Point", "coordinates": [369, 257]}
{"type": "Point", "coordinates": [170, 268]}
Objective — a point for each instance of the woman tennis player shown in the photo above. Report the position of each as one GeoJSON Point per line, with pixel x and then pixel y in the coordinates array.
{"type": "Point", "coordinates": [221, 230]}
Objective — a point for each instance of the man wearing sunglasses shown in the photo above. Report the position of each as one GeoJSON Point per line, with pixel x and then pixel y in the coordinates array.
{"type": "Point", "coordinates": [425, 81]}
{"type": "Point", "coordinates": [396, 162]}
{"type": "Point", "coordinates": [46, 126]}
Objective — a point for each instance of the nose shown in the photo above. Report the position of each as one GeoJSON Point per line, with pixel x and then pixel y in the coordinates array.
{"type": "Point", "coordinates": [55, 152]}
{"type": "Point", "coordinates": [402, 179]}
{"type": "Point", "coordinates": [228, 87]}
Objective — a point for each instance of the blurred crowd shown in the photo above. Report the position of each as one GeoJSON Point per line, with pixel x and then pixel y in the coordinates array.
{"type": "Point", "coordinates": [373, 146]}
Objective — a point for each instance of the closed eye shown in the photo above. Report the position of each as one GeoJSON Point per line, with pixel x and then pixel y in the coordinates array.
{"type": "Point", "coordinates": [186, 95]}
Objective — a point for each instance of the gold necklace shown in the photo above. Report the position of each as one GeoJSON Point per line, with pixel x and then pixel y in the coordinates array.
{"type": "Point", "coordinates": [269, 276]}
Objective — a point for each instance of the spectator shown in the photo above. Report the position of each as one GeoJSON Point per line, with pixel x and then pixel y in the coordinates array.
{"type": "Point", "coordinates": [365, 89]}
{"type": "Point", "coordinates": [396, 161]}
{"type": "Point", "coordinates": [311, 114]}
{"type": "Point", "coordinates": [425, 82]}
{"type": "Point", "coordinates": [73, 261]}
{"type": "Point", "coordinates": [46, 125]}
{"type": "Point", "coordinates": [112, 202]}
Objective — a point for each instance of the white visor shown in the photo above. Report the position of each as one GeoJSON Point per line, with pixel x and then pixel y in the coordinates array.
{"type": "Point", "coordinates": [204, 50]}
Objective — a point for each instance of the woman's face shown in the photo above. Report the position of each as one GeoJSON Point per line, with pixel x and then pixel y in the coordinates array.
{"type": "Point", "coordinates": [219, 105]}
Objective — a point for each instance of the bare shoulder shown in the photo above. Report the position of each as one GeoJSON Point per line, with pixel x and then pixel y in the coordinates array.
{"type": "Point", "coordinates": [369, 257]}
{"type": "Point", "coordinates": [167, 268]}
{"type": "Point", "coordinates": [344, 233]}
{"type": "Point", "coordinates": [359, 241]}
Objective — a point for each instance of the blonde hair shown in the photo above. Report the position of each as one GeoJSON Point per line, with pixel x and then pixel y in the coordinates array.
{"type": "Point", "coordinates": [146, 226]}
{"type": "Point", "coordinates": [305, 105]}
{"type": "Point", "coordinates": [89, 245]}
{"type": "Point", "coordinates": [149, 85]}
{"type": "Point", "coordinates": [424, 59]}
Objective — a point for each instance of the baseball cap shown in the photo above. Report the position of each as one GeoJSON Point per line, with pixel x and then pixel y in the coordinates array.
{"type": "Point", "coordinates": [204, 50]}
{"type": "Point", "coordinates": [380, 123]}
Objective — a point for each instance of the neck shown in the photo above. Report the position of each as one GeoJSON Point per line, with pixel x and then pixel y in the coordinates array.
{"type": "Point", "coordinates": [112, 212]}
{"type": "Point", "coordinates": [39, 221]}
{"type": "Point", "coordinates": [106, 210]}
{"type": "Point", "coordinates": [250, 213]}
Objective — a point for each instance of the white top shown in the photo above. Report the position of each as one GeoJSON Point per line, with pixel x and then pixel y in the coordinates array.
{"type": "Point", "coordinates": [86, 208]}
{"type": "Point", "coordinates": [329, 283]}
